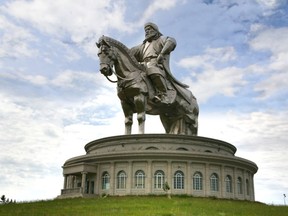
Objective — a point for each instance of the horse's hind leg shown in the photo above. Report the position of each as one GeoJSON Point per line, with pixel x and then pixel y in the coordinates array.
{"type": "Point", "coordinates": [140, 105]}
{"type": "Point", "coordinates": [128, 112]}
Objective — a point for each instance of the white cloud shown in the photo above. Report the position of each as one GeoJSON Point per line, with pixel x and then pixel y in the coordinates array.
{"type": "Point", "coordinates": [14, 40]}
{"type": "Point", "coordinates": [79, 20]}
{"type": "Point", "coordinates": [38, 134]}
{"type": "Point", "coordinates": [156, 6]}
{"type": "Point", "coordinates": [275, 84]}
{"type": "Point", "coordinates": [271, 4]}
{"type": "Point", "coordinates": [258, 136]}
{"type": "Point", "coordinates": [211, 56]}
{"type": "Point", "coordinates": [211, 80]}
{"type": "Point", "coordinates": [72, 22]}
{"type": "Point", "coordinates": [68, 79]}
{"type": "Point", "coordinates": [276, 42]}
{"type": "Point", "coordinates": [269, 125]}
{"type": "Point", "coordinates": [30, 140]}
{"type": "Point", "coordinates": [70, 53]}
{"type": "Point", "coordinates": [211, 76]}
{"type": "Point", "coordinates": [261, 131]}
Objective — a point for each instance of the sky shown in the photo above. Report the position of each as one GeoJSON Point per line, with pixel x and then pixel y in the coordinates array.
{"type": "Point", "coordinates": [53, 99]}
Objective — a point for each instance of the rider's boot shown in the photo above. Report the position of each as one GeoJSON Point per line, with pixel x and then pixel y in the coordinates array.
{"type": "Point", "coordinates": [161, 89]}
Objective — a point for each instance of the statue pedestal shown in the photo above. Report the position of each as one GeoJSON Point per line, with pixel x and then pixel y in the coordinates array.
{"type": "Point", "coordinates": [143, 164]}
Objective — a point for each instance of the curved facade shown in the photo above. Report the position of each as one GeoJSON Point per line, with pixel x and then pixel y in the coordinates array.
{"type": "Point", "coordinates": [142, 164]}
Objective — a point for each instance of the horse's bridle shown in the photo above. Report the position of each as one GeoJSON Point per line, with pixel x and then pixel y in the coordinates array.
{"type": "Point", "coordinates": [109, 64]}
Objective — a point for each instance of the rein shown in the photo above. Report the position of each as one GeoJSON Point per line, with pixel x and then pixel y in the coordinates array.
{"type": "Point", "coordinates": [112, 81]}
{"type": "Point", "coordinates": [124, 78]}
{"type": "Point", "coordinates": [120, 77]}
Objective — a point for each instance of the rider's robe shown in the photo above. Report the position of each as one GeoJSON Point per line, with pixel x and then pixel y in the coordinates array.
{"type": "Point", "coordinates": [139, 53]}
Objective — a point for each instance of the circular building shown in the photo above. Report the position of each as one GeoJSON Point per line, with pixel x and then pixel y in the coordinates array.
{"type": "Point", "coordinates": [143, 164]}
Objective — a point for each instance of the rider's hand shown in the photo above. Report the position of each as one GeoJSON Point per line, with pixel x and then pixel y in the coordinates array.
{"type": "Point", "coordinates": [160, 58]}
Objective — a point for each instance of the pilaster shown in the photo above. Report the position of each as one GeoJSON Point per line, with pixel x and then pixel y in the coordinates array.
{"type": "Point", "coordinates": [83, 182]}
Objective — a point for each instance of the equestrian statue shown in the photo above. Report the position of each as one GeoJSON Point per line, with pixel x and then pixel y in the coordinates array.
{"type": "Point", "coordinates": [145, 84]}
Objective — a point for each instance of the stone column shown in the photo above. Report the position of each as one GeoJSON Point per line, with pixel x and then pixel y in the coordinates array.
{"type": "Point", "coordinates": [246, 176]}
{"type": "Point", "coordinates": [65, 182]}
{"type": "Point", "coordinates": [244, 184]}
{"type": "Point", "coordinates": [149, 178]}
{"type": "Point", "coordinates": [188, 177]}
{"type": "Point", "coordinates": [222, 182]}
{"type": "Point", "coordinates": [206, 181]}
{"type": "Point", "coordinates": [252, 188]}
{"type": "Point", "coordinates": [74, 181]}
{"type": "Point", "coordinates": [234, 180]}
{"type": "Point", "coordinates": [113, 177]}
{"type": "Point", "coordinates": [129, 178]}
{"type": "Point", "coordinates": [98, 183]}
{"type": "Point", "coordinates": [68, 182]}
{"type": "Point", "coordinates": [83, 182]}
{"type": "Point", "coordinates": [169, 176]}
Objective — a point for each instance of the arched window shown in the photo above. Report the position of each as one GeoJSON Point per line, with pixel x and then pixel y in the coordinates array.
{"type": "Point", "coordinates": [121, 180]}
{"type": "Point", "coordinates": [182, 149]}
{"type": "Point", "coordinates": [228, 183]}
{"type": "Point", "coordinates": [159, 179]}
{"type": "Point", "coordinates": [179, 180]}
{"type": "Point", "coordinates": [214, 183]}
{"type": "Point", "coordinates": [105, 181]}
{"type": "Point", "coordinates": [239, 185]}
{"type": "Point", "coordinates": [247, 187]}
{"type": "Point", "coordinates": [197, 181]}
{"type": "Point", "coordinates": [140, 179]}
{"type": "Point", "coordinates": [152, 148]}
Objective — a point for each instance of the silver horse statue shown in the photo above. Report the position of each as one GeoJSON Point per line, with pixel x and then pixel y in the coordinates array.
{"type": "Point", "coordinates": [135, 91]}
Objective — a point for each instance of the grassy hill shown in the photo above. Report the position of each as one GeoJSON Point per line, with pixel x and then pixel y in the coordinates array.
{"type": "Point", "coordinates": [143, 205]}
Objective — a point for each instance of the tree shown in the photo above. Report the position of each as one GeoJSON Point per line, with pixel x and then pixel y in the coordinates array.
{"type": "Point", "coordinates": [5, 200]}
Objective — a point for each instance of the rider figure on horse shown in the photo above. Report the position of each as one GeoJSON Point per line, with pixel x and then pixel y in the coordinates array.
{"type": "Point", "coordinates": [154, 53]}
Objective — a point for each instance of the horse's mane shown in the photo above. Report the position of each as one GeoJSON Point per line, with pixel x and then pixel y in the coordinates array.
{"type": "Point", "coordinates": [126, 51]}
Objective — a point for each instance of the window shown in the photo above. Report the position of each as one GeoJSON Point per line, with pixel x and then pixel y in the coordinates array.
{"type": "Point", "coordinates": [105, 181]}
{"type": "Point", "coordinates": [140, 179]}
{"type": "Point", "coordinates": [239, 185]}
{"type": "Point", "coordinates": [182, 149]}
{"type": "Point", "coordinates": [214, 184]}
{"type": "Point", "coordinates": [159, 178]}
{"type": "Point", "coordinates": [179, 180]}
{"type": "Point", "coordinates": [247, 187]}
{"type": "Point", "coordinates": [228, 183]}
{"type": "Point", "coordinates": [92, 187]}
{"type": "Point", "coordinates": [87, 186]}
{"type": "Point", "coordinates": [121, 180]}
{"type": "Point", "coordinates": [152, 148]}
{"type": "Point", "coordinates": [197, 181]}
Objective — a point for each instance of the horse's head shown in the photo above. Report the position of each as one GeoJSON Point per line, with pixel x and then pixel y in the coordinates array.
{"type": "Point", "coordinates": [106, 57]}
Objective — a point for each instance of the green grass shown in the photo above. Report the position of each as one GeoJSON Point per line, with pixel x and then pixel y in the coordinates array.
{"type": "Point", "coordinates": [143, 205]}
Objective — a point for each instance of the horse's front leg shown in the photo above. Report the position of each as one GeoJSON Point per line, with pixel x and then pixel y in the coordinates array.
{"type": "Point", "coordinates": [140, 105]}
{"type": "Point", "coordinates": [128, 112]}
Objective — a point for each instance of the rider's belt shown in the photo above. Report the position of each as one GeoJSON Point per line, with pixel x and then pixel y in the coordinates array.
{"type": "Point", "coordinates": [147, 59]}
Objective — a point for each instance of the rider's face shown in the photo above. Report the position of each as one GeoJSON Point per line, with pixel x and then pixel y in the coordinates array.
{"type": "Point", "coordinates": [149, 32]}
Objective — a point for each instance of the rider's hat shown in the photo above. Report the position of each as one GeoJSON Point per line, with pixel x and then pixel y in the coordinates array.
{"type": "Point", "coordinates": [153, 25]}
